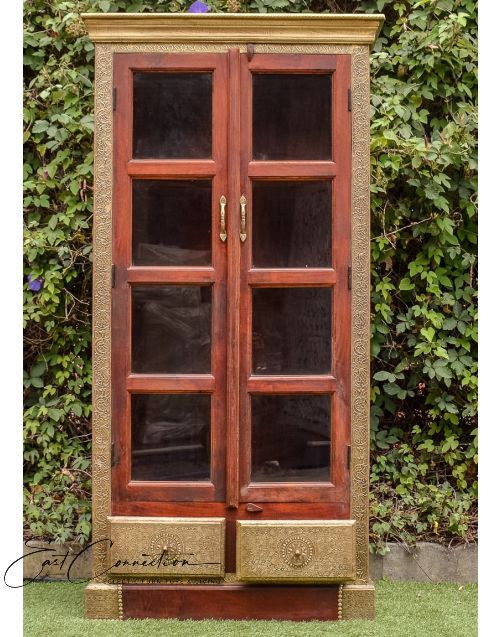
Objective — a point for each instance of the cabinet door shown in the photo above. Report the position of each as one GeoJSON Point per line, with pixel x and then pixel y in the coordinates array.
{"type": "Point", "coordinates": [169, 297]}
{"type": "Point", "coordinates": [231, 304]}
{"type": "Point", "coordinates": [295, 298]}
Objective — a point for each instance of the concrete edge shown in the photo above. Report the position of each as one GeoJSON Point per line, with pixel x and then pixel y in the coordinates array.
{"type": "Point", "coordinates": [428, 562]}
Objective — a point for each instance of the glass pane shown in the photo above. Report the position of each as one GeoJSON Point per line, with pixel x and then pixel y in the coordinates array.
{"type": "Point", "coordinates": [292, 116]}
{"type": "Point", "coordinates": [290, 438]}
{"type": "Point", "coordinates": [171, 326]}
{"type": "Point", "coordinates": [171, 222]}
{"type": "Point", "coordinates": [170, 437]}
{"type": "Point", "coordinates": [291, 331]}
{"type": "Point", "coordinates": [292, 224]}
{"type": "Point", "coordinates": [172, 115]}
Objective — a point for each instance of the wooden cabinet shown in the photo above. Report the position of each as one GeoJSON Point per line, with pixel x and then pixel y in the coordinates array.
{"type": "Point", "coordinates": [231, 309]}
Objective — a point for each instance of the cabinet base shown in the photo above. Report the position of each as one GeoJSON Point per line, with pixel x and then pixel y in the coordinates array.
{"type": "Point", "coordinates": [229, 601]}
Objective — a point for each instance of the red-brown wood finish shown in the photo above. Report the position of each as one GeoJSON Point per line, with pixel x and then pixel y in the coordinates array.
{"type": "Point", "coordinates": [232, 276]}
{"type": "Point", "coordinates": [124, 382]}
{"type": "Point", "coordinates": [337, 384]}
{"type": "Point", "coordinates": [230, 601]}
{"type": "Point", "coordinates": [233, 285]}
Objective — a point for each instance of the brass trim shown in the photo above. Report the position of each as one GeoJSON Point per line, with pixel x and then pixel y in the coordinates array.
{"type": "Point", "coordinates": [360, 307]}
{"type": "Point", "coordinates": [120, 601]}
{"type": "Point", "coordinates": [166, 547]}
{"type": "Point", "coordinates": [293, 551]}
{"type": "Point", "coordinates": [299, 28]}
{"type": "Point", "coordinates": [358, 601]}
{"type": "Point", "coordinates": [103, 601]}
{"type": "Point", "coordinates": [102, 236]}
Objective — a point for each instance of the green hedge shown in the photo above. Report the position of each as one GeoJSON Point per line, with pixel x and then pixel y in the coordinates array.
{"type": "Point", "coordinates": [424, 268]}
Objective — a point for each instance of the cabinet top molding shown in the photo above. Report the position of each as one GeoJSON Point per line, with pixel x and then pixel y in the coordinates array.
{"type": "Point", "coordinates": [285, 28]}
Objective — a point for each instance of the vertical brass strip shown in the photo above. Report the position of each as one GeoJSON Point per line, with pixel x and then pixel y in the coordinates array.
{"type": "Point", "coordinates": [360, 344]}
{"type": "Point", "coordinates": [233, 285]}
{"type": "Point", "coordinates": [120, 601]}
{"type": "Point", "coordinates": [101, 302]}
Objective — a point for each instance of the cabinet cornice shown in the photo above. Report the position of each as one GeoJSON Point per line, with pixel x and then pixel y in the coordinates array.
{"type": "Point", "coordinates": [292, 28]}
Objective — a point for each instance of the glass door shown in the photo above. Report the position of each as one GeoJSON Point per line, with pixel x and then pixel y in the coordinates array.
{"type": "Point", "coordinates": [231, 302]}
{"type": "Point", "coordinates": [169, 297]}
{"type": "Point", "coordinates": [295, 301]}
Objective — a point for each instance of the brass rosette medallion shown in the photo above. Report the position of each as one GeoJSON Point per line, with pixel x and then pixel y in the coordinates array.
{"type": "Point", "coordinates": [297, 551]}
{"type": "Point", "coordinates": [168, 545]}
{"type": "Point", "coordinates": [320, 551]}
{"type": "Point", "coordinates": [160, 547]}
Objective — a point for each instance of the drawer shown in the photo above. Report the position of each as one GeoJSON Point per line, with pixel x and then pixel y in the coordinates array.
{"type": "Point", "coordinates": [168, 547]}
{"type": "Point", "coordinates": [295, 550]}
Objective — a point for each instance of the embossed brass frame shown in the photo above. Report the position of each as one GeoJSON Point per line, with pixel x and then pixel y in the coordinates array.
{"type": "Point", "coordinates": [186, 547]}
{"type": "Point", "coordinates": [300, 33]}
{"type": "Point", "coordinates": [295, 551]}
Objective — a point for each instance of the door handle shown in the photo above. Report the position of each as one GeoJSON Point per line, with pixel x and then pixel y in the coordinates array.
{"type": "Point", "coordinates": [243, 218]}
{"type": "Point", "coordinates": [223, 233]}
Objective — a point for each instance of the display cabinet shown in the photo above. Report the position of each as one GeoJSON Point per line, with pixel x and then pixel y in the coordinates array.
{"type": "Point", "coordinates": [231, 316]}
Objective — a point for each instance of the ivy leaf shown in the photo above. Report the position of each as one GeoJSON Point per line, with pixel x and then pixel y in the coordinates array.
{"type": "Point", "coordinates": [428, 333]}
{"type": "Point", "coordinates": [384, 376]}
{"type": "Point", "coordinates": [406, 284]}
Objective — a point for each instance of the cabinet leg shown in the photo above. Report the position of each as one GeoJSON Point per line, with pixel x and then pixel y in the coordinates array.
{"type": "Point", "coordinates": [103, 601]}
{"type": "Point", "coordinates": [357, 601]}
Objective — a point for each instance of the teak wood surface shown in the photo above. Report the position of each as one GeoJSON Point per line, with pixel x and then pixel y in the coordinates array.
{"type": "Point", "coordinates": [230, 601]}
{"type": "Point", "coordinates": [232, 278]}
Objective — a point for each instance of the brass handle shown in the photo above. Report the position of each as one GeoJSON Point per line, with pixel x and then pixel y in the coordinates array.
{"type": "Point", "coordinates": [223, 233]}
{"type": "Point", "coordinates": [243, 218]}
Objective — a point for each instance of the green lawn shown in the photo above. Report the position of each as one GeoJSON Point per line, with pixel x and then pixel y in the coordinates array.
{"type": "Point", "coordinates": [404, 609]}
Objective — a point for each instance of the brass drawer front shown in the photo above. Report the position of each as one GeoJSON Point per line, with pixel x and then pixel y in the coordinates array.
{"type": "Point", "coordinates": [166, 547]}
{"type": "Point", "coordinates": [296, 550]}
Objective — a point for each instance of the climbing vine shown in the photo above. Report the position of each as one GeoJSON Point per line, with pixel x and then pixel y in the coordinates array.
{"type": "Point", "coordinates": [424, 263]}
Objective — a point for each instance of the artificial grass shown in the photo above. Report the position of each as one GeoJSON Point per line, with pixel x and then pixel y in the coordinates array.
{"type": "Point", "coordinates": [404, 609]}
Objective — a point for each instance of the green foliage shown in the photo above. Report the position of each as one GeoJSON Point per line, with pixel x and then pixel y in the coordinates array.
{"type": "Point", "coordinates": [424, 269]}
{"type": "Point", "coordinates": [424, 245]}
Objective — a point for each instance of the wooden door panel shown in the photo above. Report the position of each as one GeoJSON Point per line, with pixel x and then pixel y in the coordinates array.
{"type": "Point", "coordinates": [234, 279]}
{"type": "Point", "coordinates": [170, 278]}
{"type": "Point", "coordinates": [291, 381]}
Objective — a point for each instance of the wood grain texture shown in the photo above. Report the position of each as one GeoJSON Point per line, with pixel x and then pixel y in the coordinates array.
{"type": "Point", "coordinates": [233, 285]}
{"type": "Point", "coordinates": [126, 275]}
{"type": "Point", "coordinates": [232, 277]}
{"type": "Point", "coordinates": [338, 488]}
{"type": "Point", "coordinates": [291, 277]}
{"type": "Point", "coordinates": [148, 168]}
{"type": "Point", "coordinates": [296, 170]}
{"type": "Point", "coordinates": [230, 601]}
{"type": "Point", "coordinates": [341, 301]}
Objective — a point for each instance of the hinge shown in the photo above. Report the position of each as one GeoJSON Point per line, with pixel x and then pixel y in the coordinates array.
{"type": "Point", "coordinates": [349, 278]}
{"type": "Point", "coordinates": [113, 275]}
{"type": "Point", "coordinates": [349, 100]}
{"type": "Point", "coordinates": [114, 458]}
{"type": "Point", "coordinates": [250, 52]}
{"type": "Point", "coordinates": [348, 457]}
{"type": "Point", "coordinates": [114, 98]}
